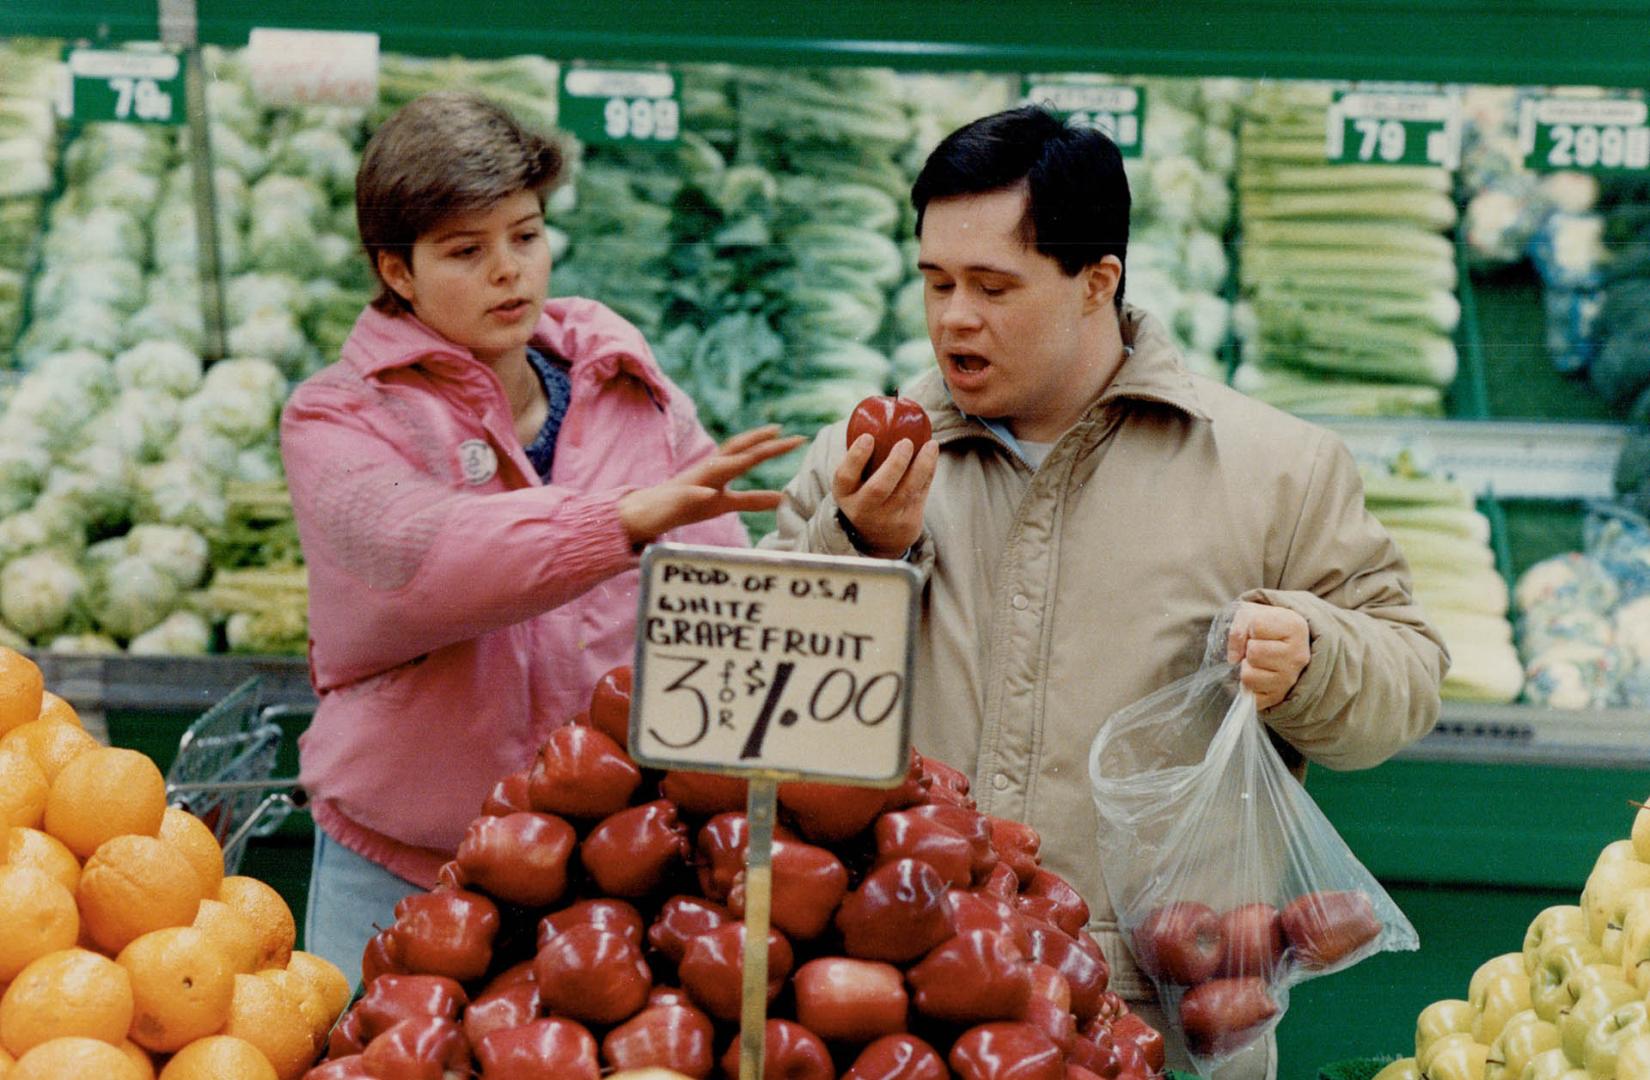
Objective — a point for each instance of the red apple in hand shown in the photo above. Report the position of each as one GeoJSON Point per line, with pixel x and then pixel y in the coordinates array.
{"type": "Point", "coordinates": [899, 912]}
{"type": "Point", "coordinates": [1323, 928]}
{"type": "Point", "coordinates": [1006, 1051]}
{"type": "Point", "coordinates": [808, 884]}
{"type": "Point", "coordinates": [898, 1057]}
{"type": "Point", "coordinates": [680, 920]}
{"type": "Point", "coordinates": [704, 794]}
{"type": "Point", "coordinates": [551, 1049]}
{"type": "Point", "coordinates": [581, 773]}
{"type": "Point", "coordinates": [972, 977]}
{"type": "Point", "coordinates": [422, 1048]}
{"type": "Point", "coordinates": [850, 1000]}
{"type": "Point", "coordinates": [677, 1037]}
{"type": "Point", "coordinates": [790, 1052]}
{"type": "Point", "coordinates": [449, 932]}
{"type": "Point", "coordinates": [593, 975]}
{"type": "Point", "coordinates": [1179, 943]}
{"type": "Point", "coordinates": [521, 858]}
{"type": "Point", "coordinates": [614, 915]}
{"type": "Point", "coordinates": [1222, 1014]}
{"type": "Point", "coordinates": [631, 851]}
{"type": "Point", "coordinates": [713, 968]}
{"type": "Point", "coordinates": [888, 420]}
{"type": "Point", "coordinates": [509, 795]}
{"type": "Point", "coordinates": [1251, 938]}
{"type": "Point", "coordinates": [610, 705]}
{"type": "Point", "coordinates": [827, 813]}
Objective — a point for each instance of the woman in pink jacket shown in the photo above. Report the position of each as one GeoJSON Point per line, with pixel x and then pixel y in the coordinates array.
{"type": "Point", "coordinates": [472, 481]}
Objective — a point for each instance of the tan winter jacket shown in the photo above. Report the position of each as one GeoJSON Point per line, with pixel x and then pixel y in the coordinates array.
{"type": "Point", "coordinates": [1056, 597]}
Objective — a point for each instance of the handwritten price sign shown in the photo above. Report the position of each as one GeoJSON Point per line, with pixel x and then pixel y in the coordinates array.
{"type": "Point", "coordinates": [766, 663]}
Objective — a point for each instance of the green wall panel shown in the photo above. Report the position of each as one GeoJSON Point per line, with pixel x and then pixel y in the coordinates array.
{"type": "Point", "coordinates": [1604, 42]}
{"type": "Point", "coordinates": [1474, 824]}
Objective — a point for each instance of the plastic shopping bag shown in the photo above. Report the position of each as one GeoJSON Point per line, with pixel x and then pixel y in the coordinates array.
{"type": "Point", "coordinates": [1228, 882]}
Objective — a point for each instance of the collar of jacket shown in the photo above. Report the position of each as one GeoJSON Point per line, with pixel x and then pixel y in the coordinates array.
{"type": "Point", "coordinates": [1152, 372]}
{"type": "Point", "coordinates": [597, 343]}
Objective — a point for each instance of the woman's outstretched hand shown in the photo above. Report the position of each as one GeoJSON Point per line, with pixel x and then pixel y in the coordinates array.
{"type": "Point", "coordinates": [700, 492]}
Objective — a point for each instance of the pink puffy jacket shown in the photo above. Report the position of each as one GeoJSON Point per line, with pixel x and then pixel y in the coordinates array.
{"type": "Point", "coordinates": [458, 608]}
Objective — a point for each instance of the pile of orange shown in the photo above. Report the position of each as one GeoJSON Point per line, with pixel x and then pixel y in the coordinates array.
{"type": "Point", "coordinates": [125, 953]}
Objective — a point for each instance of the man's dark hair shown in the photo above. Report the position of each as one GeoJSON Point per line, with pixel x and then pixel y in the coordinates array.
{"type": "Point", "coordinates": [1077, 196]}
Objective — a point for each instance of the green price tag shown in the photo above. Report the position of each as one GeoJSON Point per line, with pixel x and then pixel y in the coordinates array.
{"type": "Point", "coordinates": [1380, 128]}
{"type": "Point", "coordinates": [1600, 135]}
{"type": "Point", "coordinates": [614, 105]}
{"type": "Point", "coordinates": [1118, 109]}
{"type": "Point", "coordinates": [127, 85]}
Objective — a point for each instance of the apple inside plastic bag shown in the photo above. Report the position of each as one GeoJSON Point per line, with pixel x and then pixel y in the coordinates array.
{"type": "Point", "coordinates": [1227, 881]}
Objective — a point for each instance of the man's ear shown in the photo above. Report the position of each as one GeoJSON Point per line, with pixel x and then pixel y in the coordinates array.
{"type": "Point", "coordinates": [1100, 281]}
{"type": "Point", "coordinates": [396, 274]}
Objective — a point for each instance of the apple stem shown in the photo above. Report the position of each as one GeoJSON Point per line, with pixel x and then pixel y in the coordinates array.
{"type": "Point", "coordinates": [1635, 804]}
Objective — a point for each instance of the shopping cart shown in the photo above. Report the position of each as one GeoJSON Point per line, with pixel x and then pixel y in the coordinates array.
{"type": "Point", "coordinates": [224, 773]}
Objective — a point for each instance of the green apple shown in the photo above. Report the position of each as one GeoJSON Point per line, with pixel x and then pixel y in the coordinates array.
{"type": "Point", "coordinates": [1402, 1069]}
{"type": "Point", "coordinates": [1500, 997]}
{"type": "Point", "coordinates": [1495, 965]}
{"type": "Point", "coordinates": [1641, 834]}
{"type": "Point", "coordinates": [1525, 1036]}
{"type": "Point", "coordinates": [1548, 1065]}
{"type": "Point", "coordinates": [1595, 1004]}
{"type": "Point", "coordinates": [1617, 851]}
{"type": "Point", "coordinates": [1555, 962]}
{"type": "Point", "coordinates": [1602, 1046]}
{"type": "Point", "coordinates": [1455, 1057]}
{"type": "Point", "coordinates": [1635, 941]}
{"type": "Point", "coordinates": [1633, 1058]}
{"type": "Point", "coordinates": [1450, 1016]}
{"type": "Point", "coordinates": [1561, 922]}
{"type": "Point", "coordinates": [1604, 900]}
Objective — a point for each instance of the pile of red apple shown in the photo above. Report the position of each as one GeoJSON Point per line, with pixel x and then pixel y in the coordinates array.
{"type": "Point", "coordinates": [1223, 968]}
{"type": "Point", "coordinates": [592, 921]}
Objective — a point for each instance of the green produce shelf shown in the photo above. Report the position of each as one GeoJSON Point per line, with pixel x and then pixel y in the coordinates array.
{"type": "Point", "coordinates": [1583, 42]}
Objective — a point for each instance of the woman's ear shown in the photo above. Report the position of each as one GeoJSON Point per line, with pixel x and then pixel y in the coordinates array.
{"type": "Point", "coordinates": [396, 274]}
{"type": "Point", "coordinates": [1100, 281]}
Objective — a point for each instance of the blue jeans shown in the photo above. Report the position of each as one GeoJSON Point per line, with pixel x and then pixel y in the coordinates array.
{"type": "Point", "coordinates": [350, 899]}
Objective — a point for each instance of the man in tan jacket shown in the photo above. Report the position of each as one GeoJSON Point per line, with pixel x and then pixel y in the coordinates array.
{"type": "Point", "coordinates": [1087, 507]}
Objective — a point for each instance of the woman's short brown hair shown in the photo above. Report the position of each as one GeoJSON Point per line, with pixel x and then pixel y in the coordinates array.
{"type": "Point", "coordinates": [443, 153]}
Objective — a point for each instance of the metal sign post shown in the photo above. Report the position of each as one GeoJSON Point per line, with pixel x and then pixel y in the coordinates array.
{"type": "Point", "coordinates": [773, 667]}
{"type": "Point", "coordinates": [179, 25]}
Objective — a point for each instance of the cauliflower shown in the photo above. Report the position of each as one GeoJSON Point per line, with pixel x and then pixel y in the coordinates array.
{"type": "Point", "coordinates": [139, 425]}
{"type": "Point", "coordinates": [288, 196]}
{"type": "Point", "coordinates": [1217, 150]}
{"type": "Point", "coordinates": [233, 195]}
{"type": "Point", "coordinates": [115, 283]}
{"type": "Point", "coordinates": [23, 468]}
{"type": "Point", "coordinates": [259, 294]}
{"type": "Point", "coordinates": [238, 412]}
{"type": "Point", "coordinates": [172, 319]}
{"type": "Point", "coordinates": [41, 593]}
{"type": "Point", "coordinates": [205, 446]}
{"type": "Point", "coordinates": [180, 493]}
{"type": "Point", "coordinates": [176, 244]}
{"type": "Point", "coordinates": [101, 146]}
{"type": "Point", "coordinates": [284, 240]}
{"type": "Point", "coordinates": [82, 324]}
{"type": "Point", "coordinates": [95, 484]}
{"type": "Point", "coordinates": [132, 595]}
{"type": "Point", "coordinates": [176, 549]}
{"type": "Point", "coordinates": [1176, 184]}
{"type": "Point", "coordinates": [82, 372]}
{"type": "Point", "coordinates": [109, 232]}
{"type": "Point", "coordinates": [124, 186]}
{"type": "Point", "coordinates": [318, 154]}
{"type": "Point", "coordinates": [182, 633]}
{"type": "Point", "coordinates": [277, 336]}
{"type": "Point", "coordinates": [163, 366]}
{"type": "Point", "coordinates": [51, 410]}
{"type": "Point", "coordinates": [1206, 264]}
{"type": "Point", "coordinates": [250, 373]}
{"type": "Point", "coordinates": [84, 644]}
{"type": "Point", "coordinates": [1203, 321]}
{"type": "Point", "coordinates": [37, 529]}
{"type": "Point", "coordinates": [258, 464]}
